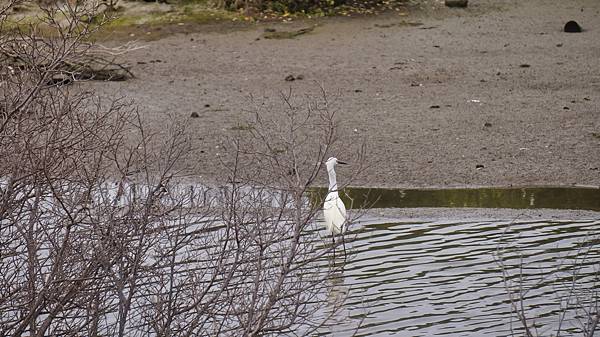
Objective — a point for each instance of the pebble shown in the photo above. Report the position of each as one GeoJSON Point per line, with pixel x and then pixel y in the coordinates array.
{"type": "Point", "coordinates": [572, 27]}
{"type": "Point", "coordinates": [457, 3]}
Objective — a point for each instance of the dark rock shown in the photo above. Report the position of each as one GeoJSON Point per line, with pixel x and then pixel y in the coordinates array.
{"type": "Point", "coordinates": [434, 107]}
{"type": "Point", "coordinates": [357, 90]}
{"type": "Point", "coordinates": [207, 105]}
{"type": "Point", "coordinates": [59, 80]}
{"type": "Point", "coordinates": [457, 3]}
{"type": "Point", "coordinates": [290, 78]}
{"type": "Point", "coordinates": [194, 115]}
{"type": "Point", "coordinates": [559, 45]}
{"type": "Point", "coordinates": [479, 166]}
{"type": "Point", "coordinates": [487, 124]}
{"type": "Point", "coordinates": [524, 65]}
{"type": "Point", "coordinates": [572, 27]}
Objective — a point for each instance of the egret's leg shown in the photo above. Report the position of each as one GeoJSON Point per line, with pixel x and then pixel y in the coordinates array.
{"type": "Point", "coordinates": [344, 246]}
{"type": "Point", "coordinates": [333, 246]}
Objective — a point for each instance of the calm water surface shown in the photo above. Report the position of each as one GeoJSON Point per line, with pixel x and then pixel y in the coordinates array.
{"type": "Point", "coordinates": [442, 279]}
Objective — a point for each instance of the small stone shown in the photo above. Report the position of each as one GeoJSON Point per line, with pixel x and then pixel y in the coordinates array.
{"type": "Point", "coordinates": [479, 166]}
{"type": "Point", "coordinates": [524, 65]}
{"type": "Point", "coordinates": [566, 108]}
{"type": "Point", "coordinates": [572, 27]}
{"type": "Point", "coordinates": [457, 3]}
{"type": "Point", "coordinates": [434, 107]}
{"type": "Point", "coordinates": [207, 105]}
{"type": "Point", "coordinates": [559, 45]}
{"type": "Point", "coordinates": [487, 124]}
{"type": "Point", "coordinates": [59, 80]}
{"type": "Point", "coordinates": [357, 90]}
{"type": "Point", "coordinates": [194, 115]}
{"type": "Point", "coordinates": [290, 78]}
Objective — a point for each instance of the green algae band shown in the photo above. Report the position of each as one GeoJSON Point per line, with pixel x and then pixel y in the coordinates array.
{"type": "Point", "coordinates": [577, 198]}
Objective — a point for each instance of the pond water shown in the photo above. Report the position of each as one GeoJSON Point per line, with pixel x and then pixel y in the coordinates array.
{"type": "Point", "coordinates": [443, 278]}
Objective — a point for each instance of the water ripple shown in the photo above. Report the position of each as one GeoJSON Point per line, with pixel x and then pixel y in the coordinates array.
{"type": "Point", "coordinates": [442, 278]}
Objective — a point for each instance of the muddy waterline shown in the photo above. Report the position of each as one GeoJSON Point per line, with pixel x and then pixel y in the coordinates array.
{"type": "Point", "coordinates": [575, 198]}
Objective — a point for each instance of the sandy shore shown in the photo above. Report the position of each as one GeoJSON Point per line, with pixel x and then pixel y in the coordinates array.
{"type": "Point", "coordinates": [494, 95]}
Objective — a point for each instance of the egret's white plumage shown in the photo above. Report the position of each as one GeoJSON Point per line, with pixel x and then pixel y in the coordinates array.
{"type": "Point", "coordinates": [334, 210]}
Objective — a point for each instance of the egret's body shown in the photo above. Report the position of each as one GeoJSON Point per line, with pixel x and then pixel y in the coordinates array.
{"type": "Point", "coordinates": [334, 210]}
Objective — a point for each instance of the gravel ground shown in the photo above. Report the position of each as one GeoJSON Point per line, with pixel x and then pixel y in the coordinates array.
{"type": "Point", "coordinates": [492, 95]}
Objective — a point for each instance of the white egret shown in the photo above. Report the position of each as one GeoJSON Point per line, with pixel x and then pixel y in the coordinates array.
{"type": "Point", "coordinates": [334, 210]}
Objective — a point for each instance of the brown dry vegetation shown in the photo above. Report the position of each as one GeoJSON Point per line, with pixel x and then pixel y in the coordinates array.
{"type": "Point", "coordinates": [101, 236]}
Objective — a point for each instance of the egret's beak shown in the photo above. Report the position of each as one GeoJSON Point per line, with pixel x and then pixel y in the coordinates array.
{"type": "Point", "coordinates": [342, 162]}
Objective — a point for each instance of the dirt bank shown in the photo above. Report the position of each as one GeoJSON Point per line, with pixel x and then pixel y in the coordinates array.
{"type": "Point", "coordinates": [493, 95]}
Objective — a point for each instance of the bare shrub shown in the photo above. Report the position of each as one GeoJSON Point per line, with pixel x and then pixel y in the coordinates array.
{"type": "Point", "coordinates": [100, 236]}
{"type": "Point", "coordinates": [573, 282]}
{"type": "Point", "coordinates": [274, 160]}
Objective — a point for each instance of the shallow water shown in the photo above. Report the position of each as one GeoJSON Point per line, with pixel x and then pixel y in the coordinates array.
{"type": "Point", "coordinates": [442, 279]}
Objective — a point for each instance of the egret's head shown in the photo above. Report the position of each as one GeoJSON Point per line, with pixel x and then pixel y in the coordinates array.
{"type": "Point", "coordinates": [332, 161]}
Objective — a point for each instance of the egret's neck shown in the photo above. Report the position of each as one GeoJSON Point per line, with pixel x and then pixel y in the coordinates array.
{"type": "Point", "coordinates": [333, 187]}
